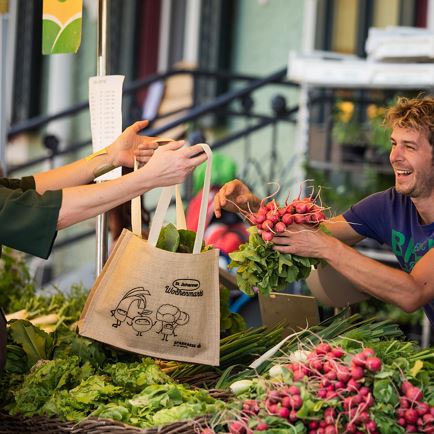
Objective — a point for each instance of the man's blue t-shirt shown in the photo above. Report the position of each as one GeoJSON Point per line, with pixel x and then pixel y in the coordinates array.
{"type": "Point", "coordinates": [392, 219]}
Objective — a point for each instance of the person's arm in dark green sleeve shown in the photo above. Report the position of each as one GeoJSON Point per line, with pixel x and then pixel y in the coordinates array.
{"type": "Point", "coordinates": [28, 220]}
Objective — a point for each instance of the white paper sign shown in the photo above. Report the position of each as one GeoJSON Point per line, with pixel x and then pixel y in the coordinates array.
{"type": "Point", "coordinates": [105, 107]}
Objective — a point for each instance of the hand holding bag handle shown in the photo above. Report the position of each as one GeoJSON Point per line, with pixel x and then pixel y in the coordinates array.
{"type": "Point", "coordinates": [136, 206]}
{"type": "Point", "coordinates": [164, 202]}
{"type": "Point", "coordinates": [136, 211]}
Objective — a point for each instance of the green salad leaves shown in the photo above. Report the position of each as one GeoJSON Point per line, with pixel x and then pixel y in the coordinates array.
{"type": "Point", "coordinates": [137, 393]}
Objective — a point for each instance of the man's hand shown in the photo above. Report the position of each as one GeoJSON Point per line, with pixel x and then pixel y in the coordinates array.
{"type": "Point", "coordinates": [131, 144]}
{"type": "Point", "coordinates": [304, 241]}
{"type": "Point", "coordinates": [233, 196]}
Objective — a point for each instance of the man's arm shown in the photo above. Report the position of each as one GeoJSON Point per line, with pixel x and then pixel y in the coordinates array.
{"type": "Point", "coordinates": [408, 291]}
{"type": "Point", "coordinates": [342, 230]}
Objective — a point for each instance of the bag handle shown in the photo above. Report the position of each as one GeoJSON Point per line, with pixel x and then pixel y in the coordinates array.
{"type": "Point", "coordinates": [164, 202]}
{"type": "Point", "coordinates": [181, 223]}
{"type": "Point", "coordinates": [136, 206]}
{"type": "Point", "coordinates": [136, 211]}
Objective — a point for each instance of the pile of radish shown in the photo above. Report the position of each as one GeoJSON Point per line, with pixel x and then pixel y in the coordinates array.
{"type": "Point", "coordinates": [328, 391]}
{"type": "Point", "coordinates": [272, 218]}
{"type": "Point", "coordinates": [413, 414]}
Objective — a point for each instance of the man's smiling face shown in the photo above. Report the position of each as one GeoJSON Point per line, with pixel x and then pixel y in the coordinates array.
{"type": "Point", "coordinates": [411, 158]}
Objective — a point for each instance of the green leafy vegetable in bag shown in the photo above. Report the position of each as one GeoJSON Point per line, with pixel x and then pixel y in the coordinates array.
{"type": "Point", "coordinates": [177, 240]}
{"type": "Point", "coordinates": [186, 241]}
{"type": "Point", "coordinates": [169, 238]}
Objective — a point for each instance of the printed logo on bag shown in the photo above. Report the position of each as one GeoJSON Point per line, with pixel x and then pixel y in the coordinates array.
{"type": "Point", "coordinates": [185, 288]}
{"type": "Point", "coordinates": [183, 344]}
{"type": "Point", "coordinates": [131, 311]}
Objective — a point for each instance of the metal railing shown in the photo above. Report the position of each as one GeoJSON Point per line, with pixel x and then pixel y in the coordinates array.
{"type": "Point", "coordinates": [193, 113]}
{"type": "Point", "coordinates": [131, 88]}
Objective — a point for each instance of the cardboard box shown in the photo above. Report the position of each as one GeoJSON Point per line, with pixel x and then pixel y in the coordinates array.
{"type": "Point", "coordinates": [296, 312]}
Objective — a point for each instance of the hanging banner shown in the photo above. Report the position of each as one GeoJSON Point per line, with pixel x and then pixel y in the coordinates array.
{"type": "Point", "coordinates": [61, 26]}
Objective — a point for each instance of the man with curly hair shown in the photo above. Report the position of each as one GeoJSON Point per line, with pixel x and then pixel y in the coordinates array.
{"type": "Point", "coordinates": [401, 217]}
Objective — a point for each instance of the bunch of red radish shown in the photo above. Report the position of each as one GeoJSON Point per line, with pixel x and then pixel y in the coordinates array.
{"type": "Point", "coordinates": [284, 402]}
{"type": "Point", "coordinates": [413, 414]}
{"type": "Point", "coordinates": [343, 381]}
{"type": "Point", "coordinates": [272, 218]}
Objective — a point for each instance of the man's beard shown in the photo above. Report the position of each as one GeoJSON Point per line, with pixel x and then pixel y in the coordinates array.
{"type": "Point", "coordinates": [419, 188]}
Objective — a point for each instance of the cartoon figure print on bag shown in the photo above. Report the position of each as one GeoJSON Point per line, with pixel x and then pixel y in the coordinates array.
{"type": "Point", "coordinates": [132, 310]}
{"type": "Point", "coordinates": [168, 318]}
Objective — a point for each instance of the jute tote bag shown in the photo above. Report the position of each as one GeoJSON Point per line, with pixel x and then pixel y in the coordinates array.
{"type": "Point", "coordinates": [154, 302]}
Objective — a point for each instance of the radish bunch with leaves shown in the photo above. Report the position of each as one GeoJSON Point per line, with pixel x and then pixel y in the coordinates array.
{"type": "Point", "coordinates": [259, 266]}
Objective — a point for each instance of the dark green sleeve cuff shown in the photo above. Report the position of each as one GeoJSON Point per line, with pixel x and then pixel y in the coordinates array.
{"type": "Point", "coordinates": [25, 183]}
{"type": "Point", "coordinates": [28, 220]}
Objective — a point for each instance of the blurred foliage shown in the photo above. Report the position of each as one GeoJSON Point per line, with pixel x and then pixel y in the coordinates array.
{"type": "Point", "coordinates": [365, 129]}
{"type": "Point", "coordinates": [18, 291]}
{"type": "Point", "coordinates": [230, 322]}
{"type": "Point", "coordinates": [16, 284]}
{"type": "Point", "coordinates": [338, 193]}
{"type": "Point", "coordinates": [390, 312]}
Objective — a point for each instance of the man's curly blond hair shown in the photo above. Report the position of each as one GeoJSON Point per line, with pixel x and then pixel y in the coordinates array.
{"type": "Point", "coordinates": [413, 113]}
